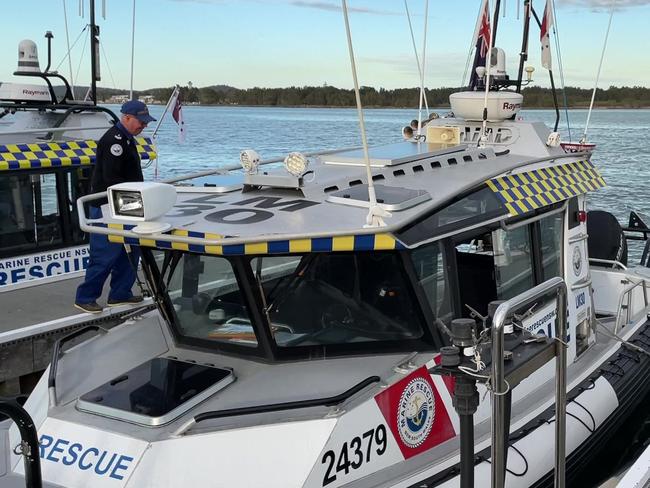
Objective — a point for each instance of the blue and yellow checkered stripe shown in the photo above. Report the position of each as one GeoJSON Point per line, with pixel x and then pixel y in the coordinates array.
{"type": "Point", "coordinates": [58, 154]}
{"type": "Point", "coordinates": [525, 192]}
{"type": "Point", "coordinates": [365, 242]}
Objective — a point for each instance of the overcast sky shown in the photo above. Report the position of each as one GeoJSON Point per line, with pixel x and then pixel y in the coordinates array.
{"type": "Point", "coordinates": [278, 43]}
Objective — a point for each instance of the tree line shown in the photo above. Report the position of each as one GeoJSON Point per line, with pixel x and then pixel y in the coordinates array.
{"type": "Point", "coordinates": [329, 96]}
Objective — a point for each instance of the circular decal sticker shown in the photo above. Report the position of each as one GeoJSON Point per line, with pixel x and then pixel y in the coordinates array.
{"type": "Point", "coordinates": [116, 150]}
{"type": "Point", "coordinates": [416, 412]}
{"type": "Point", "coordinates": [577, 261]}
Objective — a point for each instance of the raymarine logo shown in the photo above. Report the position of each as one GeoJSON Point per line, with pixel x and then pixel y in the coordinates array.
{"type": "Point", "coordinates": [34, 92]}
{"type": "Point", "coordinates": [511, 106]}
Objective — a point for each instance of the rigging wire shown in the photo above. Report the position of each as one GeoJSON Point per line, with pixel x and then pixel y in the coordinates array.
{"type": "Point", "coordinates": [471, 50]}
{"type": "Point", "coordinates": [424, 56]}
{"type": "Point", "coordinates": [132, 50]}
{"type": "Point", "coordinates": [70, 50]}
{"type": "Point", "coordinates": [415, 49]}
{"type": "Point", "coordinates": [600, 65]}
{"type": "Point", "coordinates": [110, 72]}
{"type": "Point", "coordinates": [83, 50]}
{"type": "Point", "coordinates": [561, 68]}
{"type": "Point", "coordinates": [375, 213]}
{"type": "Point", "coordinates": [67, 40]}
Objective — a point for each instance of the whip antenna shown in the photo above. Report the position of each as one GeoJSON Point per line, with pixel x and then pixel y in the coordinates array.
{"type": "Point", "coordinates": [376, 213]}
{"type": "Point", "coordinates": [600, 65]}
{"type": "Point", "coordinates": [415, 49]}
{"type": "Point", "coordinates": [424, 54]}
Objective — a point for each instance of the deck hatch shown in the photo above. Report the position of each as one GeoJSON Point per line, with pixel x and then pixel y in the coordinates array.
{"type": "Point", "coordinates": [392, 154]}
{"type": "Point", "coordinates": [156, 392]}
{"type": "Point", "coordinates": [528, 191]}
{"type": "Point", "coordinates": [392, 198]}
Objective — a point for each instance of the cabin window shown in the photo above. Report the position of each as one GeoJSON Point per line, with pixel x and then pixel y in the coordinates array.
{"type": "Point", "coordinates": [340, 298]}
{"type": "Point", "coordinates": [38, 210]}
{"type": "Point", "coordinates": [430, 268]}
{"type": "Point", "coordinates": [513, 262]}
{"type": "Point", "coordinates": [474, 209]}
{"type": "Point", "coordinates": [207, 299]}
{"type": "Point", "coordinates": [550, 229]}
{"type": "Point", "coordinates": [29, 213]}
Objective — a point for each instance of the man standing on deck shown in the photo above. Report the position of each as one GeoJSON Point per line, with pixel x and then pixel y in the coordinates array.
{"type": "Point", "coordinates": [117, 161]}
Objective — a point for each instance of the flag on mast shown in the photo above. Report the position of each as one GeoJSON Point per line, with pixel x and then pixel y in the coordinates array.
{"type": "Point", "coordinates": [481, 39]}
{"type": "Point", "coordinates": [482, 30]}
{"type": "Point", "coordinates": [177, 114]}
{"type": "Point", "coordinates": [544, 35]}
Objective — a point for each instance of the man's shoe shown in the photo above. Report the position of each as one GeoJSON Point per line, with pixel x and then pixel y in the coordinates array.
{"type": "Point", "coordinates": [126, 301]}
{"type": "Point", "coordinates": [92, 307]}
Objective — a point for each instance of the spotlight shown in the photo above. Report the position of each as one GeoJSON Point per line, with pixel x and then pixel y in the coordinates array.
{"type": "Point", "coordinates": [296, 163]}
{"type": "Point", "coordinates": [250, 161]}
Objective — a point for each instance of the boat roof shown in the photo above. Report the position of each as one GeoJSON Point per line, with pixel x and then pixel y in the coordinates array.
{"type": "Point", "coordinates": [231, 213]}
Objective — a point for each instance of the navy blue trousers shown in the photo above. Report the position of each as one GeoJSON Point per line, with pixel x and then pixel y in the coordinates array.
{"type": "Point", "coordinates": [107, 258]}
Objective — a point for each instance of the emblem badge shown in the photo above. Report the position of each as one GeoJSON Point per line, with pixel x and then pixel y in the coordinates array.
{"type": "Point", "coordinates": [116, 150]}
{"type": "Point", "coordinates": [118, 137]}
{"type": "Point", "coordinates": [577, 261]}
{"type": "Point", "coordinates": [416, 412]}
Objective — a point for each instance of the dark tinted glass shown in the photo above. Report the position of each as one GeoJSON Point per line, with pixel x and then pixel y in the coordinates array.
{"type": "Point", "coordinates": [156, 387]}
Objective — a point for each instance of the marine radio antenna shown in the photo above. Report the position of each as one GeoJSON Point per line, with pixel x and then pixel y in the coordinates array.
{"type": "Point", "coordinates": [600, 65]}
{"type": "Point", "coordinates": [415, 50]}
{"type": "Point", "coordinates": [376, 212]}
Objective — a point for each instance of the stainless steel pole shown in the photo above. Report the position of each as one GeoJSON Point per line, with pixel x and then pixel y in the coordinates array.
{"type": "Point", "coordinates": [560, 388]}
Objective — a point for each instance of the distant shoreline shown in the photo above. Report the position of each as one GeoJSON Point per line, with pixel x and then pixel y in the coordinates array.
{"type": "Point", "coordinates": [374, 107]}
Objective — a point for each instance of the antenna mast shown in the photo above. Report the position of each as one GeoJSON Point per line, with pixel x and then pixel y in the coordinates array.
{"type": "Point", "coordinates": [94, 54]}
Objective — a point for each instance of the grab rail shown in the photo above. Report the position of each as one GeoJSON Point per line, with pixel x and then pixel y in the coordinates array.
{"type": "Point", "coordinates": [628, 292]}
{"type": "Point", "coordinates": [498, 390]}
{"type": "Point", "coordinates": [608, 261]}
{"type": "Point", "coordinates": [278, 407]}
{"type": "Point", "coordinates": [57, 353]}
{"type": "Point", "coordinates": [28, 446]}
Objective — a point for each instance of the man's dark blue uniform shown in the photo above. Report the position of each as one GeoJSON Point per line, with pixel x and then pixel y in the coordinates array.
{"type": "Point", "coordinates": [117, 161]}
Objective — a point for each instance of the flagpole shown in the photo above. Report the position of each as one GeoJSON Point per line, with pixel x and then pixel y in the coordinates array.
{"type": "Point", "coordinates": [172, 97]}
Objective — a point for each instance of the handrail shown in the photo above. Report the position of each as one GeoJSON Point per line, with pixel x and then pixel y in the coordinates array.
{"type": "Point", "coordinates": [28, 446]}
{"type": "Point", "coordinates": [278, 407]}
{"type": "Point", "coordinates": [499, 390]}
{"type": "Point", "coordinates": [57, 352]}
{"type": "Point", "coordinates": [628, 292]}
{"type": "Point", "coordinates": [608, 261]}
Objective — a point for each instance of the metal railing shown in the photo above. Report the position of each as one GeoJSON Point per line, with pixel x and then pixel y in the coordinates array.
{"type": "Point", "coordinates": [628, 293]}
{"type": "Point", "coordinates": [499, 389]}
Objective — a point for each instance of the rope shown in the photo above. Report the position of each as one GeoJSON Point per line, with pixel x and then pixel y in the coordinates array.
{"type": "Point", "coordinates": [415, 50]}
{"type": "Point", "coordinates": [600, 65]}
{"type": "Point", "coordinates": [375, 213]}
{"type": "Point", "coordinates": [424, 57]}
{"type": "Point", "coordinates": [559, 60]}
{"type": "Point", "coordinates": [67, 40]}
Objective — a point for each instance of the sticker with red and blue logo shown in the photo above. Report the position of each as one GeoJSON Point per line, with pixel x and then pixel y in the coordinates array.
{"type": "Point", "coordinates": [415, 413]}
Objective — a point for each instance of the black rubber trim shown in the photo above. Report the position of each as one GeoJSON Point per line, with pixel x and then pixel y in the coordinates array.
{"type": "Point", "coordinates": [278, 407]}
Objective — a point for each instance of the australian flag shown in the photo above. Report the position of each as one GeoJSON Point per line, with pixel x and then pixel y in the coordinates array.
{"type": "Point", "coordinates": [482, 35]}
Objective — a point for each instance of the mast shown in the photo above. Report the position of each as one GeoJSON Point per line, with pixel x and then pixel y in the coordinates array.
{"type": "Point", "coordinates": [94, 54]}
{"type": "Point", "coordinates": [523, 55]}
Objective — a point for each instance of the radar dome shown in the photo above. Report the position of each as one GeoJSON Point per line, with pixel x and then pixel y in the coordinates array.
{"type": "Point", "coordinates": [28, 57]}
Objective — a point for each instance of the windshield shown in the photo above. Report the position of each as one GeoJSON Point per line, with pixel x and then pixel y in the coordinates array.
{"type": "Point", "coordinates": [320, 299]}
{"type": "Point", "coordinates": [207, 300]}
{"type": "Point", "coordinates": [306, 300]}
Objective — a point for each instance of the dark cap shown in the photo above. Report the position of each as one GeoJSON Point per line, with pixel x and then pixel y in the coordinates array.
{"type": "Point", "coordinates": [138, 109]}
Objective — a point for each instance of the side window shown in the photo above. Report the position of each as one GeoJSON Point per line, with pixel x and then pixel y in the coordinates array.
{"type": "Point", "coordinates": [551, 245]}
{"type": "Point", "coordinates": [513, 262]}
{"type": "Point", "coordinates": [16, 215]}
{"type": "Point", "coordinates": [430, 268]}
{"type": "Point", "coordinates": [49, 230]}
{"type": "Point", "coordinates": [573, 213]}
{"type": "Point", "coordinates": [78, 185]}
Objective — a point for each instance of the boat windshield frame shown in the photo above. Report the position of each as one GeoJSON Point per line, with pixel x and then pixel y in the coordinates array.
{"type": "Point", "coordinates": [250, 291]}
